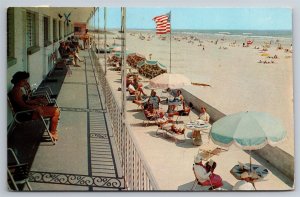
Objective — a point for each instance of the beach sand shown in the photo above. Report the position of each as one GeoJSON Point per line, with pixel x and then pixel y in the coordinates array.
{"type": "Point", "coordinates": [238, 82]}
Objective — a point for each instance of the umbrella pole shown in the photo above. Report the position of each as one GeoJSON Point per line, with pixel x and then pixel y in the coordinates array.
{"type": "Point", "coordinates": [250, 160]}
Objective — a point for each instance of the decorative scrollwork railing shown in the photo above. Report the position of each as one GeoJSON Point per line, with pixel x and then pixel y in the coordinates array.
{"type": "Point", "coordinates": [137, 173]}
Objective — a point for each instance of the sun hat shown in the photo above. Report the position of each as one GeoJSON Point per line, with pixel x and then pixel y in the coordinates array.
{"type": "Point", "coordinates": [198, 158]}
{"type": "Point", "coordinates": [18, 76]}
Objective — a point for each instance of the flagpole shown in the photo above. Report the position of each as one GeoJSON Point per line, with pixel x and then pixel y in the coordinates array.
{"type": "Point", "coordinates": [169, 19]}
{"type": "Point", "coordinates": [105, 38]}
{"type": "Point", "coordinates": [170, 49]}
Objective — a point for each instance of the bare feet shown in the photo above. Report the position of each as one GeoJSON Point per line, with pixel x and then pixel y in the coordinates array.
{"type": "Point", "coordinates": [54, 135]}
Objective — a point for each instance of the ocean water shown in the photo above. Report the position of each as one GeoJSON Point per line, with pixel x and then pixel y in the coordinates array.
{"type": "Point", "coordinates": [249, 33]}
{"type": "Point", "coordinates": [284, 37]}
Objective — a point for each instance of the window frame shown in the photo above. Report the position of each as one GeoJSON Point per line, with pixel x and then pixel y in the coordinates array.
{"type": "Point", "coordinates": [46, 27]}
{"type": "Point", "coordinates": [54, 30]}
{"type": "Point", "coordinates": [59, 30]}
{"type": "Point", "coordinates": [34, 31]}
{"type": "Point", "coordinates": [10, 22]}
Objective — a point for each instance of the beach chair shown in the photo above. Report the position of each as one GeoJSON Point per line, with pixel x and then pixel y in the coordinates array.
{"type": "Point", "coordinates": [17, 172]}
{"type": "Point", "coordinates": [150, 117]}
{"type": "Point", "coordinates": [165, 125]}
{"type": "Point", "coordinates": [20, 117]}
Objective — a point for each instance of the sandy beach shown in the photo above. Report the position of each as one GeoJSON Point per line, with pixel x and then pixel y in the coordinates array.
{"type": "Point", "coordinates": [238, 81]}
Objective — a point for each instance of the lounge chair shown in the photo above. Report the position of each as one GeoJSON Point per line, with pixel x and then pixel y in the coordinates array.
{"type": "Point", "coordinates": [165, 125]}
{"type": "Point", "coordinates": [17, 172]}
{"type": "Point", "coordinates": [150, 117]}
{"type": "Point", "coordinates": [21, 117]}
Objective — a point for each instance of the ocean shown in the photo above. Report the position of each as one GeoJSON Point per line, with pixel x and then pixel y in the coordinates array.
{"type": "Point", "coordinates": [249, 33]}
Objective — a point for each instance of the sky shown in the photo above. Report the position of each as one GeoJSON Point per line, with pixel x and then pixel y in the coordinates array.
{"type": "Point", "coordinates": [202, 18]}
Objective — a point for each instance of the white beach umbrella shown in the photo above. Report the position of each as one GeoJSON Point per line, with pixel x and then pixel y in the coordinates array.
{"type": "Point", "coordinates": [169, 80]}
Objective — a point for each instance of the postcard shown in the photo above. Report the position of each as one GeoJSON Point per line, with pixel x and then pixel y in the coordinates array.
{"type": "Point", "coordinates": [149, 99]}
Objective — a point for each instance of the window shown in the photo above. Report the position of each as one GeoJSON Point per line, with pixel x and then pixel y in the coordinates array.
{"type": "Point", "coordinates": [54, 30]}
{"type": "Point", "coordinates": [32, 30]}
{"type": "Point", "coordinates": [59, 30]}
{"type": "Point", "coordinates": [31, 40]}
{"type": "Point", "coordinates": [65, 30]}
{"type": "Point", "coordinates": [46, 32]}
{"type": "Point", "coordinates": [10, 38]}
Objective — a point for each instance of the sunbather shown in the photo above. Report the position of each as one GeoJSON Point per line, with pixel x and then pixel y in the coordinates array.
{"type": "Point", "coordinates": [200, 172]}
{"type": "Point", "coordinates": [215, 179]}
{"type": "Point", "coordinates": [138, 94]}
{"type": "Point", "coordinates": [205, 173]}
{"type": "Point", "coordinates": [20, 98]}
{"type": "Point", "coordinates": [154, 100]}
{"type": "Point", "coordinates": [204, 115]}
{"type": "Point", "coordinates": [40, 99]}
{"type": "Point", "coordinates": [178, 98]}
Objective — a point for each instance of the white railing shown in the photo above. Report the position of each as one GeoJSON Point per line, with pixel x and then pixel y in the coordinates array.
{"type": "Point", "coordinates": [137, 173]}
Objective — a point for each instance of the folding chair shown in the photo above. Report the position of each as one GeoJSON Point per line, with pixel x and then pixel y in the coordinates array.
{"type": "Point", "coordinates": [166, 126]}
{"type": "Point", "coordinates": [18, 173]}
{"type": "Point", "coordinates": [149, 118]}
{"type": "Point", "coordinates": [25, 116]}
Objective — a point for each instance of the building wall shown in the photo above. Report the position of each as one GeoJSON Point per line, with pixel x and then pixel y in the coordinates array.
{"type": "Point", "coordinates": [37, 64]}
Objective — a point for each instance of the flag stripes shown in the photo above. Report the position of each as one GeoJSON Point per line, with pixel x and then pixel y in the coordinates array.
{"type": "Point", "coordinates": [163, 24]}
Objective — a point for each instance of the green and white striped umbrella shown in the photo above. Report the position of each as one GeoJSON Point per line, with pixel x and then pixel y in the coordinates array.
{"type": "Point", "coordinates": [247, 130]}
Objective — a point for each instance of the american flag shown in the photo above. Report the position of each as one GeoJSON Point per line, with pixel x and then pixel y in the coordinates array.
{"type": "Point", "coordinates": [163, 24]}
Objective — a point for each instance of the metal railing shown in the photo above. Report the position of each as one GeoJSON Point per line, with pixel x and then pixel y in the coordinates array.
{"type": "Point", "coordinates": [137, 173]}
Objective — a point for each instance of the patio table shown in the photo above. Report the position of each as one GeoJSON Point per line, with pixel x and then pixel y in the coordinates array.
{"type": "Point", "coordinates": [257, 172]}
{"type": "Point", "coordinates": [197, 126]}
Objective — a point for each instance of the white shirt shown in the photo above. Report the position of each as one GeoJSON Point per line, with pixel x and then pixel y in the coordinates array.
{"type": "Point", "coordinates": [131, 87]}
{"type": "Point", "coordinates": [201, 173]}
{"type": "Point", "coordinates": [204, 116]}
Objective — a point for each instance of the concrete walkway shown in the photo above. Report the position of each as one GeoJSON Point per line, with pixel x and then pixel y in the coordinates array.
{"type": "Point", "coordinates": [83, 158]}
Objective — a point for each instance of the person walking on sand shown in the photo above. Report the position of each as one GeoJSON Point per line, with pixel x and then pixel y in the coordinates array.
{"type": "Point", "coordinates": [203, 48]}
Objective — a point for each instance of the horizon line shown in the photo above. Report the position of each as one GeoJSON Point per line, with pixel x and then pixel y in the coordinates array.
{"type": "Point", "coordinates": [211, 29]}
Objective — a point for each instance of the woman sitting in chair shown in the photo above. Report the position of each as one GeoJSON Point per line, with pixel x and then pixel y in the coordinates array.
{"type": "Point", "coordinates": [133, 85]}
{"type": "Point", "coordinates": [21, 99]}
{"type": "Point", "coordinates": [138, 95]}
{"type": "Point", "coordinates": [154, 100]}
{"type": "Point", "coordinates": [40, 99]}
{"type": "Point", "coordinates": [215, 179]}
{"type": "Point", "coordinates": [177, 99]}
{"type": "Point", "coordinates": [205, 173]}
